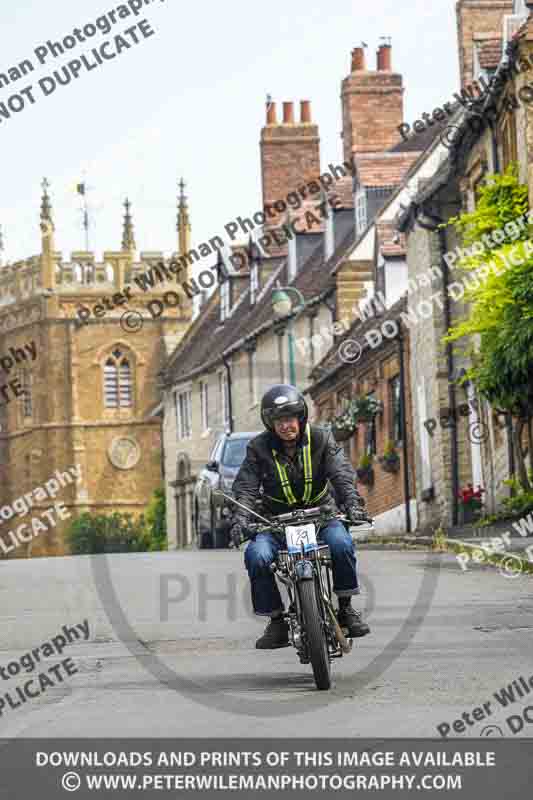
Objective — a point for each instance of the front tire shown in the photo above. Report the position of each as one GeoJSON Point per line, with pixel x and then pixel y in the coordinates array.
{"type": "Point", "coordinates": [316, 637]}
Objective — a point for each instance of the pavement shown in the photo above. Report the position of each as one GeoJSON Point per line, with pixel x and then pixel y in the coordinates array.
{"type": "Point", "coordinates": [171, 649]}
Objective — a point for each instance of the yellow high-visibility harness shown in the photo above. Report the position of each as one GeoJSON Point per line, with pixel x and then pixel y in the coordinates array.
{"type": "Point", "coordinates": [290, 499]}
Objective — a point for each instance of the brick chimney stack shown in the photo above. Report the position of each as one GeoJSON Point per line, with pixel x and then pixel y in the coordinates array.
{"type": "Point", "coordinates": [290, 153]}
{"type": "Point", "coordinates": [384, 58]}
{"type": "Point", "coordinates": [372, 104]}
{"type": "Point", "coordinates": [481, 20]}
{"type": "Point", "coordinates": [358, 59]}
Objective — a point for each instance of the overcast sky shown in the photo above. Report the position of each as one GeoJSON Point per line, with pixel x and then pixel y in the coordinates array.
{"type": "Point", "coordinates": [190, 101]}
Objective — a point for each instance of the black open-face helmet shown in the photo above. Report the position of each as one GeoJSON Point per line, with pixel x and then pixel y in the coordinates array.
{"type": "Point", "coordinates": [283, 400]}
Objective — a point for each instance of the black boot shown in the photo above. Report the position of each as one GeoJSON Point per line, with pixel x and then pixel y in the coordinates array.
{"type": "Point", "coordinates": [276, 635]}
{"type": "Point", "coordinates": [351, 619]}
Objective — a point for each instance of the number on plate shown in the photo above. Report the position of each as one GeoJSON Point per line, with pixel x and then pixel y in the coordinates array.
{"type": "Point", "coordinates": [301, 534]}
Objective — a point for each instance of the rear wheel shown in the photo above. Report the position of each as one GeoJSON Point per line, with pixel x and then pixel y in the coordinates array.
{"type": "Point", "coordinates": [316, 635]}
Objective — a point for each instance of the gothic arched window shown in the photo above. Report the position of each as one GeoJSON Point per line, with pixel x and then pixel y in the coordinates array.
{"type": "Point", "coordinates": [118, 392]}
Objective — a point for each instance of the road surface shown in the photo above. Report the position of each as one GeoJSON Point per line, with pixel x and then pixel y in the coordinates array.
{"type": "Point", "coordinates": [171, 649]}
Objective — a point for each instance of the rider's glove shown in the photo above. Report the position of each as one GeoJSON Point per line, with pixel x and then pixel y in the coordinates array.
{"type": "Point", "coordinates": [357, 514]}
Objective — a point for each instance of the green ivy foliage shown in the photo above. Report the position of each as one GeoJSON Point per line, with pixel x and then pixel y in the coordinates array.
{"type": "Point", "coordinates": [501, 199]}
{"type": "Point", "coordinates": [501, 302]}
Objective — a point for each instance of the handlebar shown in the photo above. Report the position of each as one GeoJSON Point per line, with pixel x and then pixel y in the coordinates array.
{"type": "Point", "coordinates": [279, 522]}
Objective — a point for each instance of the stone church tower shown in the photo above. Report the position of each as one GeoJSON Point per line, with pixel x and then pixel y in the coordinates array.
{"type": "Point", "coordinates": [78, 379]}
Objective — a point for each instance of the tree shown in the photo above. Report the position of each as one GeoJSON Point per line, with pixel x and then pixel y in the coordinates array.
{"type": "Point", "coordinates": [501, 305]}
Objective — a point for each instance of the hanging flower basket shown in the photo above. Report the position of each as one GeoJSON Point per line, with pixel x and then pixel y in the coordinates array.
{"type": "Point", "coordinates": [366, 408]}
{"type": "Point", "coordinates": [342, 427]}
{"type": "Point", "coordinates": [390, 464]}
{"type": "Point", "coordinates": [360, 409]}
{"type": "Point", "coordinates": [342, 434]}
{"type": "Point", "coordinates": [365, 471]}
{"type": "Point", "coordinates": [390, 460]}
{"type": "Point", "coordinates": [365, 475]}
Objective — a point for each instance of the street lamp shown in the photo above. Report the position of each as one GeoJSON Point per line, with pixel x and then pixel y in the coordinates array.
{"type": "Point", "coordinates": [282, 307]}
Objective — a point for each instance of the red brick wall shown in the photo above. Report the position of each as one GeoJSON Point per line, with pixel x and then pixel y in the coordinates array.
{"type": "Point", "coordinates": [373, 374]}
{"type": "Point", "coordinates": [290, 158]}
{"type": "Point", "coordinates": [372, 110]}
{"type": "Point", "coordinates": [477, 17]}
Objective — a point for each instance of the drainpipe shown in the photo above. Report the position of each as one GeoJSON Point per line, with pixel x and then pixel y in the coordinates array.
{"type": "Point", "coordinates": [403, 413]}
{"type": "Point", "coordinates": [437, 221]}
{"type": "Point", "coordinates": [230, 401]}
{"type": "Point", "coordinates": [508, 418]}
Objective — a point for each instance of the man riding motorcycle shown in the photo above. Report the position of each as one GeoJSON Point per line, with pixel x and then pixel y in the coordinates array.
{"type": "Point", "coordinates": [294, 462]}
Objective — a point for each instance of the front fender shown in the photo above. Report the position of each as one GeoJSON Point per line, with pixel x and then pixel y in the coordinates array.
{"type": "Point", "coordinates": [304, 570]}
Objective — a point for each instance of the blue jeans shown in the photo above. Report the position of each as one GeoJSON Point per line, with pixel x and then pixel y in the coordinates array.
{"type": "Point", "coordinates": [261, 552]}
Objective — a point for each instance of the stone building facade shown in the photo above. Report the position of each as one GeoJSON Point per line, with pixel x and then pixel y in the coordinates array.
{"type": "Point", "coordinates": [459, 438]}
{"type": "Point", "coordinates": [381, 372]}
{"type": "Point", "coordinates": [90, 391]}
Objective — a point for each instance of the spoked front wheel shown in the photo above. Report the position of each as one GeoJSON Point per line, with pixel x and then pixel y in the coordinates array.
{"type": "Point", "coordinates": [316, 635]}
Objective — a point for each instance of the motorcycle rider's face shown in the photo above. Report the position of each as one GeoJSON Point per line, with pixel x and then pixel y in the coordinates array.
{"type": "Point", "coordinates": [287, 428]}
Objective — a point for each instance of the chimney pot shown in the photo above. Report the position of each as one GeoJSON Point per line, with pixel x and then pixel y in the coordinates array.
{"type": "Point", "coordinates": [305, 111]}
{"type": "Point", "coordinates": [384, 58]}
{"type": "Point", "coordinates": [288, 113]}
{"type": "Point", "coordinates": [271, 113]}
{"type": "Point", "coordinates": [358, 59]}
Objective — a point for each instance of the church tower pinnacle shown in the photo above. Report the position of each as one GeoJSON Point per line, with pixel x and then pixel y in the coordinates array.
{"type": "Point", "coordinates": [184, 223]}
{"type": "Point", "coordinates": [128, 235]}
{"type": "Point", "coordinates": [47, 239]}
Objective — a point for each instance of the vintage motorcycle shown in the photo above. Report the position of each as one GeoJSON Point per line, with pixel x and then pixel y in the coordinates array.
{"type": "Point", "coordinates": [304, 567]}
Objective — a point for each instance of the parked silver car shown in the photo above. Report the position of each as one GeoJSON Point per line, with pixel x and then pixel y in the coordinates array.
{"type": "Point", "coordinates": [211, 526]}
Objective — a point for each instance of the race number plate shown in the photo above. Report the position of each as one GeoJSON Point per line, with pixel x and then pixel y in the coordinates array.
{"type": "Point", "coordinates": [301, 534]}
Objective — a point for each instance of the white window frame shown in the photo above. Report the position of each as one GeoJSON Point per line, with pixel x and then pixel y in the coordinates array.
{"type": "Point", "coordinates": [204, 405]}
{"type": "Point", "coordinates": [292, 265]}
{"type": "Point", "coordinates": [224, 300]}
{"type": "Point", "coordinates": [184, 413]}
{"type": "Point", "coordinates": [361, 211]}
{"type": "Point", "coordinates": [223, 398]}
{"type": "Point", "coordinates": [254, 282]}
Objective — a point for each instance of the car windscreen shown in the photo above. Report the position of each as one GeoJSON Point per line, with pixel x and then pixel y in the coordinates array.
{"type": "Point", "coordinates": [234, 452]}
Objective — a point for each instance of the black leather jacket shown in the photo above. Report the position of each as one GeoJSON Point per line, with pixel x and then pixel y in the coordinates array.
{"type": "Point", "coordinates": [329, 465]}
